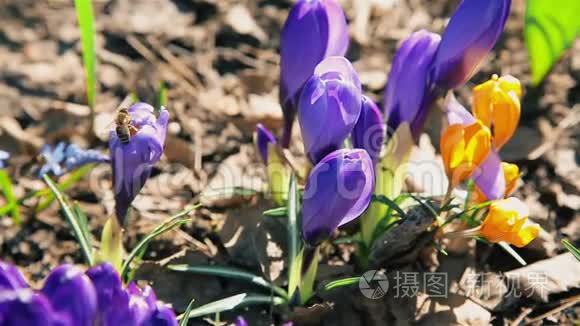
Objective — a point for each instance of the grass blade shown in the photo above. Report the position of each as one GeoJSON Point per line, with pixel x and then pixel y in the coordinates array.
{"type": "Point", "coordinates": [228, 272]}
{"type": "Point", "coordinates": [11, 201]}
{"type": "Point", "coordinates": [276, 212]}
{"type": "Point", "coordinates": [391, 204]}
{"type": "Point", "coordinates": [293, 236]}
{"type": "Point", "coordinates": [226, 304]}
{"type": "Point", "coordinates": [73, 220]}
{"type": "Point", "coordinates": [571, 248]}
{"type": "Point", "coordinates": [86, 20]}
{"type": "Point", "coordinates": [505, 246]}
{"type": "Point", "coordinates": [70, 181]}
{"type": "Point", "coordinates": [186, 315]}
{"type": "Point", "coordinates": [161, 99]}
{"type": "Point", "coordinates": [169, 224]}
{"type": "Point", "coordinates": [341, 283]}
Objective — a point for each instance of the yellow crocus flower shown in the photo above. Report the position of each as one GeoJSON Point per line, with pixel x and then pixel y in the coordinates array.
{"type": "Point", "coordinates": [497, 104]}
{"type": "Point", "coordinates": [507, 220]}
{"type": "Point", "coordinates": [463, 149]}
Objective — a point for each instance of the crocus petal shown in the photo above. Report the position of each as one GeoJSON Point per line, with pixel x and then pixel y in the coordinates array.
{"type": "Point", "coordinates": [410, 92]}
{"type": "Point", "coordinates": [369, 131]}
{"type": "Point", "coordinates": [329, 107]}
{"type": "Point", "coordinates": [507, 220]}
{"type": "Point", "coordinates": [496, 103]}
{"type": "Point", "coordinates": [488, 177]}
{"type": "Point", "coordinates": [162, 316]}
{"type": "Point", "coordinates": [11, 278]}
{"type": "Point", "coordinates": [472, 32]}
{"type": "Point", "coordinates": [132, 162]}
{"type": "Point", "coordinates": [314, 29]}
{"type": "Point", "coordinates": [107, 283]}
{"type": "Point", "coordinates": [240, 321]}
{"type": "Point", "coordinates": [71, 293]}
{"type": "Point", "coordinates": [263, 138]}
{"type": "Point", "coordinates": [24, 307]}
{"type": "Point", "coordinates": [338, 190]}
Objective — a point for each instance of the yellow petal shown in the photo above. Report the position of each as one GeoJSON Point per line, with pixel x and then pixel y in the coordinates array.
{"type": "Point", "coordinates": [509, 83]}
{"type": "Point", "coordinates": [452, 146]}
{"type": "Point", "coordinates": [477, 139]}
{"type": "Point", "coordinates": [506, 117]}
{"type": "Point", "coordinates": [511, 173]}
{"type": "Point", "coordinates": [528, 232]}
{"type": "Point", "coordinates": [482, 108]}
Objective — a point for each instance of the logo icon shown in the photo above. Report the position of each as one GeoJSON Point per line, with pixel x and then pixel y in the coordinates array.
{"type": "Point", "coordinates": [373, 285]}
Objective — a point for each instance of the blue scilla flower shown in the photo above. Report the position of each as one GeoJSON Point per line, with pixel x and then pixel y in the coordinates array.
{"type": "Point", "coordinates": [3, 157]}
{"type": "Point", "coordinates": [75, 157]}
{"type": "Point", "coordinates": [52, 159]}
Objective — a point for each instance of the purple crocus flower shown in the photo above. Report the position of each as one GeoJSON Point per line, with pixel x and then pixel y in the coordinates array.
{"type": "Point", "coordinates": [11, 278]}
{"type": "Point", "coordinates": [52, 159]}
{"type": "Point", "coordinates": [3, 157]}
{"type": "Point", "coordinates": [489, 177]}
{"type": "Point", "coordinates": [338, 190]}
{"type": "Point", "coordinates": [263, 138]}
{"type": "Point", "coordinates": [132, 161]}
{"type": "Point", "coordinates": [329, 107]}
{"type": "Point", "coordinates": [369, 130]}
{"type": "Point", "coordinates": [70, 297]}
{"type": "Point", "coordinates": [471, 33]}
{"type": "Point", "coordinates": [240, 321]}
{"type": "Point", "coordinates": [314, 30]}
{"type": "Point", "coordinates": [410, 92]}
{"type": "Point", "coordinates": [71, 294]}
{"type": "Point", "coordinates": [75, 157]}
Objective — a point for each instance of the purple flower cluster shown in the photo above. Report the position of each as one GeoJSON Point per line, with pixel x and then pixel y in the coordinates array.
{"type": "Point", "coordinates": [71, 297]}
{"type": "Point", "coordinates": [321, 86]}
{"type": "Point", "coordinates": [427, 65]}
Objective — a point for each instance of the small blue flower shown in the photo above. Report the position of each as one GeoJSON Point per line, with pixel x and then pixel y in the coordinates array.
{"type": "Point", "coordinates": [3, 157]}
{"type": "Point", "coordinates": [75, 157]}
{"type": "Point", "coordinates": [52, 159]}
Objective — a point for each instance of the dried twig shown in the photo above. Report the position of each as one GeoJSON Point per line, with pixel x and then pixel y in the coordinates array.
{"type": "Point", "coordinates": [566, 303]}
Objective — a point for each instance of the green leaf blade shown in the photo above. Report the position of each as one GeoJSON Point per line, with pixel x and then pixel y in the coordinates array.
{"type": "Point", "coordinates": [549, 30]}
{"type": "Point", "coordinates": [86, 20]}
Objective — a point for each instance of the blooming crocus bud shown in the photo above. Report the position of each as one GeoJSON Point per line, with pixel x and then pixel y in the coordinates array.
{"type": "Point", "coordinates": [263, 138]}
{"type": "Point", "coordinates": [51, 160]}
{"type": "Point", "coordinates": [464, 149]}
{"type": "Point", "coordinates": [496, 103]}
{"type": "Point", "coordinates": [3, 157]}
{"type": "Point", "coordinates": [24, 307]}
{"type": "Point", "coordinates": [71, 293]}
{"type": "Point", "coordinates": [329, 107]}
{"type": "Point", "coordinates": [11, 278]}
{"type": "Point", "coordinates": [507, 220]}
{"type": "Point", "coordinates": [314, 30]}
{"type": "Point", "coordinates": [472, 32]}
{"type": "Point", "coordinates": [369, 130]}
{"type": "Point", "coordinates": [132, 161]}
{"type": "Point", "coordinates": [339, 188]}
{"type": "Point", "coordinates": [410, 92]}
{"type": "Point", "coordinates": [511, 174]}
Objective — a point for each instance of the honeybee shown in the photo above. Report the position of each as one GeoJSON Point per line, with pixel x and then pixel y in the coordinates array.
{"type": "Point", "coordinates": [125, 129]}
